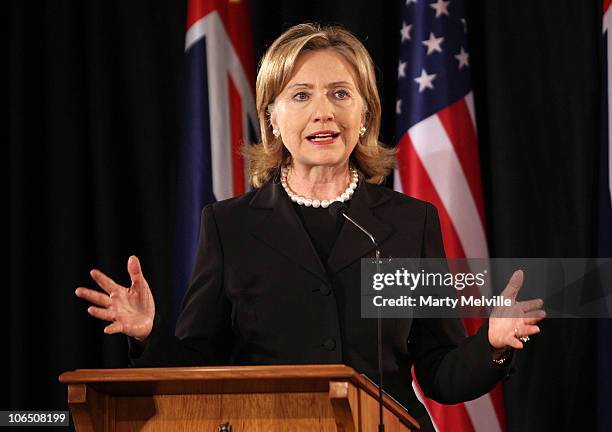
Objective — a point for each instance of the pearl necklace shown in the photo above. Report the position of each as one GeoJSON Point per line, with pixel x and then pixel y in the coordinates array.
{"type": "Point", "coordinates": [308, 202]}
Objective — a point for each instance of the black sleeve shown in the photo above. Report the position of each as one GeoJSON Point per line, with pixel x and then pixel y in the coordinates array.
{"type": "Point", "coordinates": [451, 368]}
{"type": "Point", "coordinates": [203, 333]}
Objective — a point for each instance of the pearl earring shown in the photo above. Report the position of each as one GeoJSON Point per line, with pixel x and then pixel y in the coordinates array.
{"type": "Point", "coordinates": [276, 132]}
{"type": "Point", "coordinates": [362, 131]}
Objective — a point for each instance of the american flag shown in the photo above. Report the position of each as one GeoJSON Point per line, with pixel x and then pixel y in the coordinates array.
{"type": "Point", "coordinates": [218, 117]}
{"type": "Point", "coordinates": [438, 159]}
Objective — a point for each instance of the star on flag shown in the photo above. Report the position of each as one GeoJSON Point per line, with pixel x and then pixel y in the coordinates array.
{"type": "Point", "coordinates": [441, 7]}
{"type": "Point", "coordinates": [433, 43]}
{"type": "Point", "coordinates": [425, 81]}
{"type": "Point", "coordinates": [463, 58]}
{"type": "Point", "coordinates": [405, 31]}
{"type": "Point", "coordinates": [401, 69]}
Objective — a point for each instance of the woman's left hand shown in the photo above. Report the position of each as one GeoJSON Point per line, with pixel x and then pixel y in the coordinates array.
{"type": "Point", "coordinates": [511, 326]}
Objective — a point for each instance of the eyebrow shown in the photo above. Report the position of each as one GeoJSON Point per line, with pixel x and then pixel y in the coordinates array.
{"type": "Point", "coordinates": [308, 85]}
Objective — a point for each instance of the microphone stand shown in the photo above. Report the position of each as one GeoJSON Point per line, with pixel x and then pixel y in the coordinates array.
{"type": "Point", "coordinates": [341, 208]}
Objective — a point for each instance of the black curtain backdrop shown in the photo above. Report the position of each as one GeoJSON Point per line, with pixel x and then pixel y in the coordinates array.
{"type": "Point", "coordinates": [94, 127]}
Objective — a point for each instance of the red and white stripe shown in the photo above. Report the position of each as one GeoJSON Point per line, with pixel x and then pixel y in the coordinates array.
{"type": "Point", "coordinates": [230, 70]}
{"type": "Point", "coordinates": [438, 162]}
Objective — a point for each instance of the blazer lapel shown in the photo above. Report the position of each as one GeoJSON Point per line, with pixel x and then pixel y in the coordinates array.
{"type": "Point", "coordinates": [352, 244]}
{"type": "Point", "coordinates": [276, 223]}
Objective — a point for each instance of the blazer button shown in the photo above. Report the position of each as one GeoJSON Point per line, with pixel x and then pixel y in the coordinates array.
{"type": "Point", "coordinates": [329, 344]}
{"type": "Point", "coordinates": [325, 290]}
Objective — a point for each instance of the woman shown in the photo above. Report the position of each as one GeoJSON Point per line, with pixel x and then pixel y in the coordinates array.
{"type": "Point", "coordinates": [277, 277]}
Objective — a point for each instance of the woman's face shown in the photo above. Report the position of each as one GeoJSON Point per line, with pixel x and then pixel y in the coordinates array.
{"type": "Point", "coordinates": [319, 112]}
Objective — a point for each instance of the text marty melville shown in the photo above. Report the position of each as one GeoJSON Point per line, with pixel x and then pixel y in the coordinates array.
{"type": "Point", "coordinates": [431, 301]}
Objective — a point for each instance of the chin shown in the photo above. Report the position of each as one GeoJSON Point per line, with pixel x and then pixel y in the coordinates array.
{"type": "Point", "coordinates": [328, 157]}
{"type": "Point", "coordinates": [318, 159]}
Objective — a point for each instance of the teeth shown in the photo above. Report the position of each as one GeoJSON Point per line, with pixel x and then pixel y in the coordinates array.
{"type": "Point", "coordinates": [321, 137]}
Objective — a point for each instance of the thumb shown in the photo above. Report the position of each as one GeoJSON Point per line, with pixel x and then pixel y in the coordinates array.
{"type": "Point", "coordinates": [514, 285]}
{"type": "Point", "coordinates": [133, 267]}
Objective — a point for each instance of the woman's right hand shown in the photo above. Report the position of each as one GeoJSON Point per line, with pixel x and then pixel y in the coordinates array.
{"type": "Point", "coordinates": [129, 310]}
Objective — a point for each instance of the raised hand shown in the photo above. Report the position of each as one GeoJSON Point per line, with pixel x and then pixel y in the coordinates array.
{"type": "Point", "coordinates": [129, 310]}
{"type": "Point", "coordinates": [511, 326]}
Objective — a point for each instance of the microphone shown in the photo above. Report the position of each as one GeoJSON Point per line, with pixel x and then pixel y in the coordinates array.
{"type": "Point", "coordinates": [336, 208]}
{"type": "Point", "coordinates": [339, 208]}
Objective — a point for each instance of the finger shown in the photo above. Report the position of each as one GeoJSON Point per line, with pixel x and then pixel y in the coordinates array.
{"type": "Point", "coordinates": [534, 316]}
{"type": "Point", "coordinates": [515, 343]}
{"type": "Point", "coordinates": [101, 313]}
{"type": "Point", "coordinates": [514, 285]}
{"type": "Point", "coordinates": [106, 283]}
{"type": "Point", "coordinates": [135, 271]}
{"type": "Point", "coordinates": [531, 305]}
{"type": "Point", "coordinates": [532, 321]}
{"type": "Point", "coordinates": [113, 328]}
{"type": "Point", "coordinates": [92, 296]}
{"type": "Point", "coordinates": [529, 330]}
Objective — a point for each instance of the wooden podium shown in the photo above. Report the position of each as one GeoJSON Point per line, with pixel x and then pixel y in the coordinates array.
{"type": "Point", "coordinates": [245, 398]}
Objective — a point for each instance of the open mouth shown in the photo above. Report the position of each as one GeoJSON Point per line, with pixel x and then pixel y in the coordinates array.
{"type": "Point", "coordinates": [323, 137]}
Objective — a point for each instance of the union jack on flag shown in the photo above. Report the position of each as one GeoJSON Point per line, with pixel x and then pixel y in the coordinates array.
{"type": "Point", "coordinates": [218, 117]}
{"type": "Point", "coordinates": [438, 159]}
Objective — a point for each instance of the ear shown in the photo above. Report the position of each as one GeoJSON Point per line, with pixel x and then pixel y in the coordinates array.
{"type": "Point", "coordinates": [272, 115]}
{"type": "Point", "coordinates": [364, 115]}
{"type": "Point", "coordinates": [273, 121]}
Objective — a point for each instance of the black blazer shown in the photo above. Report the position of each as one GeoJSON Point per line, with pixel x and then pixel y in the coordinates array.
{"type": "Point", "coordinates": [260, 295]}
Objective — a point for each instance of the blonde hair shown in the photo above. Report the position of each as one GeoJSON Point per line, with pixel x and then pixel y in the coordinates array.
{"type": "Point", "coordinates": [371, 158]}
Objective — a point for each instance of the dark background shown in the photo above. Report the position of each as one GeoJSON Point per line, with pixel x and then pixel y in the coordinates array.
{"type": "Point", "coordinates": [94, 128]}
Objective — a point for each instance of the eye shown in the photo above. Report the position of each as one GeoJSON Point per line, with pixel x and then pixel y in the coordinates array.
{"type": "Point", "coordinates": [341, 94]}
{"type": "Point", "coordinates": [300, 96]}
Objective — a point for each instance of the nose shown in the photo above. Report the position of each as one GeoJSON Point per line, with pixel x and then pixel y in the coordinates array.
{"type": "Point", "coordinates": [323, 110]}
